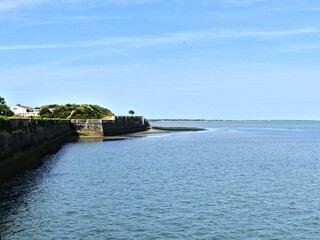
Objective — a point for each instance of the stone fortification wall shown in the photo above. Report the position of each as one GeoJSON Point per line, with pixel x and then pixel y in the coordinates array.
{"type": "Point", "coordinates": [124, 125]}
{"type": "Point", "coordinates": [120, 125]}
{"type": "Point", "coordinates": [87, 127]}
{"type": "Point", "coordinates": [23, 142]}
{"type": "Point", "coordinates": [26, 141]}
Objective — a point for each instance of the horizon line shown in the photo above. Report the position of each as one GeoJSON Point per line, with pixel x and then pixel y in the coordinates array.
{"type": "Point", "coordinates": [227, 120]}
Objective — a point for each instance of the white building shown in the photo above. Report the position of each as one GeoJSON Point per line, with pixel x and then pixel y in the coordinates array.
{"type": "Point", "coordinates": [25, 111]}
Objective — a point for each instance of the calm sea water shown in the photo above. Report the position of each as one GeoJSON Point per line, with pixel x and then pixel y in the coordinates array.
{"type": "Point", "coordinates": [237, 180]}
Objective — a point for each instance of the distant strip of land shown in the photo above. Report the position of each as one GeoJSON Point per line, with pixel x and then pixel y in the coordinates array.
{"type": "Point", "coordinates": [224, 120]}
{"type": "Point", "coordinates": [178, 129]}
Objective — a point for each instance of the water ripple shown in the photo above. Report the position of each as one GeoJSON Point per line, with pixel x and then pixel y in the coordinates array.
{"type": "Point", "coordinates": [248, 184]}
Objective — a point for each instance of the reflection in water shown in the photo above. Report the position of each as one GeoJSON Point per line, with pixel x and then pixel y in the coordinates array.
{"type": "Point", "coordinates": [14, 194]}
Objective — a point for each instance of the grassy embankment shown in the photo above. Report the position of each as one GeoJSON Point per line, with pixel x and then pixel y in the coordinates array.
{"type": "Point", "coordinates": [75, 111]}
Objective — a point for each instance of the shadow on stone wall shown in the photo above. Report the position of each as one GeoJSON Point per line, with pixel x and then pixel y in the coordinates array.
{"type": "Point", "coordinates": [24, 149]}
{"type": "Point", "coordinates": [24, 142]}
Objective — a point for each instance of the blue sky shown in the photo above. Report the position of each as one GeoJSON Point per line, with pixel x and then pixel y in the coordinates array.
{"type": "Point", "coordinates": [213, 59]}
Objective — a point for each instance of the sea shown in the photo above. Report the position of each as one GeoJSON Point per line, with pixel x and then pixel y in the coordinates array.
{"type": "Point", "coordinates": [234, 180]}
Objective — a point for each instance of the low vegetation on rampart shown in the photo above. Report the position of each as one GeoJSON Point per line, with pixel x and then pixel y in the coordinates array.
{"type": "Point", "coordinates": [75, 111]}
{"type": "Point", "coordinates": [30, 125]}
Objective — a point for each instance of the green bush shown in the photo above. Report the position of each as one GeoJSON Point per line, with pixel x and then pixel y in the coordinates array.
{"type": "Point", "coordinates": [61, 112]}
{"type": "Point", "coordinates": [46, 113]}
{"type": "Point", "coordinates": [5, 124]}
{"type": "Point", "coordinates": [73, 111]}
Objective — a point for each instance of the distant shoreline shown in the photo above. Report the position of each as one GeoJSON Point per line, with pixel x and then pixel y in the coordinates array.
{"type": "Point", "coordinates": [217, 120]}
{"type": "Point", "coordinates": [178, 129]}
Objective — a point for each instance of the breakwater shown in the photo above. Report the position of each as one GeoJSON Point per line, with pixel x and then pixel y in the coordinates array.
{"type": "Point", "coordinates": [24, 142]}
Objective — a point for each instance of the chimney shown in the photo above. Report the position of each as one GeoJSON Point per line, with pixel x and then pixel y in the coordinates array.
{"type": "Point", "coordinates": [19, 105]}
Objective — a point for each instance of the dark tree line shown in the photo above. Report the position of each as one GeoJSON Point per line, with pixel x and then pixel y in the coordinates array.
{"type": "Point", "coordinates": [4, 109]}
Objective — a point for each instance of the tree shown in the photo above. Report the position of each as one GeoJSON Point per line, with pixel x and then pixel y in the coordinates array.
{"type": "Point", "coordinates": [131, 112]}
{"type": "Point", "coordinates": [4, 109]}
{"type": "Point", "coordinates": [46, 113]}
{"type": "Point", "coordinates": [2, 101]}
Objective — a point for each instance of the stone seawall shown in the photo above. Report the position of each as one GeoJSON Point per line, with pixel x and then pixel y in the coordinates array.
{"type": "Point", "coordinates": [28, 142]}
{"type": "Point", "coordinates": [23, 142]}
{"type": "Point", "coordinates": [120, 125]}
{"type": "Point", "coordinates": [87, 127]}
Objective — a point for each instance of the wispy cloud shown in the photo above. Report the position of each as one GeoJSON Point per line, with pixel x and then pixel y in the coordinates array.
{"type": "Point", "coordinates": [242, 2]}
{"type": "Point", "coordinates": [299, 48]}
{"type": "Point", "coordinates": [172, 38]}
{"type": "Point", "coordinates": [216, 34]}
{"type": "Point", "coordinates": [65, 20]}
{"type": "Point", "coordinates": [130, 2]}
{"type": "Point", "coordinates": [6, 5]}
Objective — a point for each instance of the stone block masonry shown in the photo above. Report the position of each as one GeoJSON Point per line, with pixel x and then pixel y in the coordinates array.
{"type": "Point", "coordinates": [87, 127]}
{"type": "Point", "coordinates": [120, 125]}
{"type": "Point", "coordinates": [27, 142]}
{"type": "Point", "coordinates": [23, 142]}
{"type": "Point", "coordinates": [124, 125]}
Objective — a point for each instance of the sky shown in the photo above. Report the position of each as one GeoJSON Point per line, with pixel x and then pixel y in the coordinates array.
{"type": "Point", "coordinates": [208, 59]}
